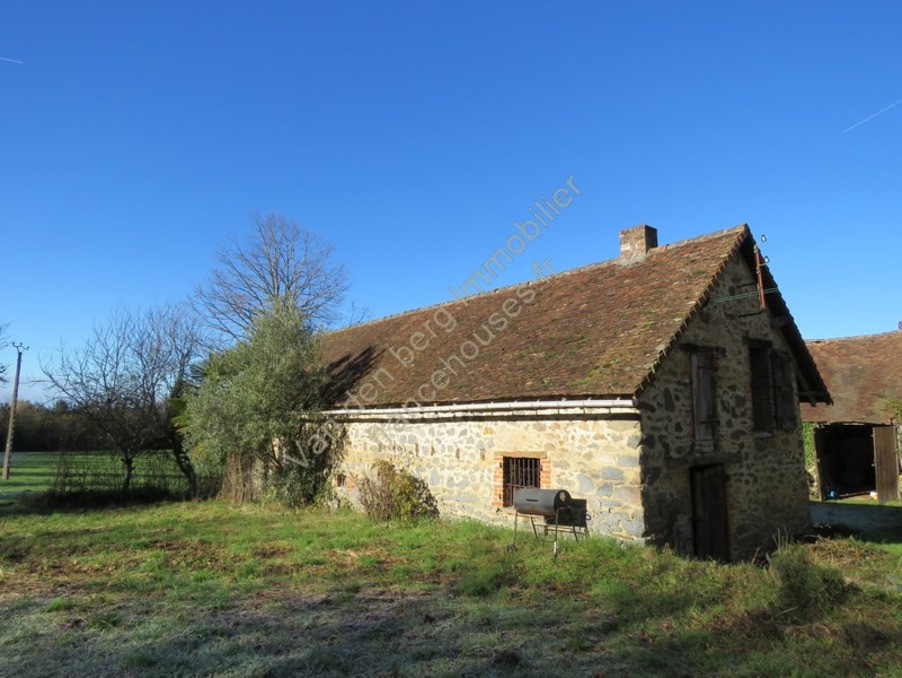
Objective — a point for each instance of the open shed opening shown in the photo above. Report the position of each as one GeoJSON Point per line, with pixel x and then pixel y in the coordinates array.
{"type": "Point", "coordinates": [846, 459]}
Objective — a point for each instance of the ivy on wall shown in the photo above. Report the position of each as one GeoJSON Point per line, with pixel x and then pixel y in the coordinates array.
{"type": "Point", "coordinates": [810, 456]}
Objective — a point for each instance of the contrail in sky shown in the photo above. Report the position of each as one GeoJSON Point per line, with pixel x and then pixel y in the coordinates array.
{"type": "Point", "coordinates": [12, 61]}
{"type": "Point", "coordinates": [871, 117]}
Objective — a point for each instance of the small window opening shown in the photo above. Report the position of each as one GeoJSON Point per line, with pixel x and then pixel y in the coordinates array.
{"type": "Point", "coordinates": [520, 472]}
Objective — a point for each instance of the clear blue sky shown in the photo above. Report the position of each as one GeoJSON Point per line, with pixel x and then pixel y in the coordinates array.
{"type": "Point", "coordinates": [135, 136]}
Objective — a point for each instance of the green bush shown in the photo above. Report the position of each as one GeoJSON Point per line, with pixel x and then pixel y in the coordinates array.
{"type": "Point", "coordinates": [294, 487]}
{"type": "Point", "coordinates": [804, 589]}
{"type": "Point", "coordinates": [395, 494]}
{"type": "Point", "coordinates": [810, 458]}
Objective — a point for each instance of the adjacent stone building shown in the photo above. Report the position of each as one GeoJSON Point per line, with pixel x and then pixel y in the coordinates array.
{"type": "Point", "coordinates": [662, 386]}
{"type": "Point", "coordinates": [858, 439]}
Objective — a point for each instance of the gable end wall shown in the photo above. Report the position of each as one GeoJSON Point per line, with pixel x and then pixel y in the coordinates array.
{"type": "Point", "coordinates": [766, 485]}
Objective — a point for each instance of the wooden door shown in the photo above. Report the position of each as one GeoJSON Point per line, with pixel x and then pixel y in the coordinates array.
{"type": "Point", "coordinates": [886, 465]}
{"type": "Point", "coordinates": [709, 512]}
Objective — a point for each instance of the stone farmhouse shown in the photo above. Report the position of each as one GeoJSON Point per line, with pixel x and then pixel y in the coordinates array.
{"type": "Point", "coordinates": [662, 386]}
{"type": "Point", "coordinates": [857, 440]}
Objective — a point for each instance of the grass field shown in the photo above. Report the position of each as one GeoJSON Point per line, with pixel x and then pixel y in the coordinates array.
{"type": "Point", "coordinates": [207, 588]}
{"type": "Point", "coordinates": [30, 472]}
{"type": "Point", "coordinates": [155, 474]}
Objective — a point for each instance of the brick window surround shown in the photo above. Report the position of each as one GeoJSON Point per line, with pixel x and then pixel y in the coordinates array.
{"type": "Point", "coordinates": [502, 466]}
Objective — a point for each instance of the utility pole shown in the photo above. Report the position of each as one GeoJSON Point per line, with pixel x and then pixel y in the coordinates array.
{"type": "Point", "coordinates": [12, 411]}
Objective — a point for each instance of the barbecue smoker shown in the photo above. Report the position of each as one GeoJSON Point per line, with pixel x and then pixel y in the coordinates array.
{"type": "Point", "coordinates": [560, 512]}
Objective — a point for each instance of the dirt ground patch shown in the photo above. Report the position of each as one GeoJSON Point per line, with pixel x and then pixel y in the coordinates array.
{"type": "Point", "coordinates": [872, 521]}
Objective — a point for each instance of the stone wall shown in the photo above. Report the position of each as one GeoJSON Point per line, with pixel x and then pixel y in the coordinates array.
{"type": "Point", "coordinates": [593, 455]}
{"type": "Point", "coordinates": [766, 487]}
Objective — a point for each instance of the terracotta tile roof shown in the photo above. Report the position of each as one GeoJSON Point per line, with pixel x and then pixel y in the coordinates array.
{"type": "Point", "coordinates": [861, 373]}
{"type": "Point", "coordinates": [597, 331]}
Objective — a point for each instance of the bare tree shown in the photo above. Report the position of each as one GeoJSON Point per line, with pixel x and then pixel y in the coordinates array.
{"type": "Point", "coordinates": [122, 379]}
{"type": "Point", "coordinates": [280, 262]}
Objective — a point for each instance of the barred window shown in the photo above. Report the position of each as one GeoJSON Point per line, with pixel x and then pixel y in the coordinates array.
{"type": "Point", "coordinates": [520, 472]}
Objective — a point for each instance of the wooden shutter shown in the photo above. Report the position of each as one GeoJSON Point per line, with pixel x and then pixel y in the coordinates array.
{"type": "Point", "coordinates": [786, 407]}
{"type": "Point", "coordinates": [704, 404]}
{"type": "Point", "coordinates": [762, 388]}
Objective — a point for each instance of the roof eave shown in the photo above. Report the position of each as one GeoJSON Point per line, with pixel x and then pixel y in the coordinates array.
{"type": "Point", "coordinates": [806, 369]}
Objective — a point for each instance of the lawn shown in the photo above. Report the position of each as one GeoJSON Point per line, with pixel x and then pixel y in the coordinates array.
{"type": "Point", "coordinates": [209, 588]}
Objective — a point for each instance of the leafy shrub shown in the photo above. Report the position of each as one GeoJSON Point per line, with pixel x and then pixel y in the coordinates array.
{"type": "Point", "coordinates": [395, 494]}
{"type": "Point", "coordinates": [294, 487]}
{"type": "Point", "coordinates": [804, 589]}
{"type": "Point", "coordinates": [298, 475]}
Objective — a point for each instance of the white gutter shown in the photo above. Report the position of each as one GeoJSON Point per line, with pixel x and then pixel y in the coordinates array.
{"type": "Point", "coordinates": [609, 406]}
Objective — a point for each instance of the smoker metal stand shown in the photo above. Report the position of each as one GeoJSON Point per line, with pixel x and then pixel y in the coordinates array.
{"type": "Point", "coordinates": [557, 508]}
{"type": "Point", "coordinates": [570, 528]}
{"type": "Point", "coordinates": [547, 527]}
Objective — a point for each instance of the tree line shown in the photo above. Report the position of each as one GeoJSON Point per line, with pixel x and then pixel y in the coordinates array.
{"type": "Point", "coordinates": [42, 428]}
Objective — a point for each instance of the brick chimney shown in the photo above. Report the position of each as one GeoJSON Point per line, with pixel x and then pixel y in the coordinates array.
{"type": "Point", "coordinates": [636, 241]}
